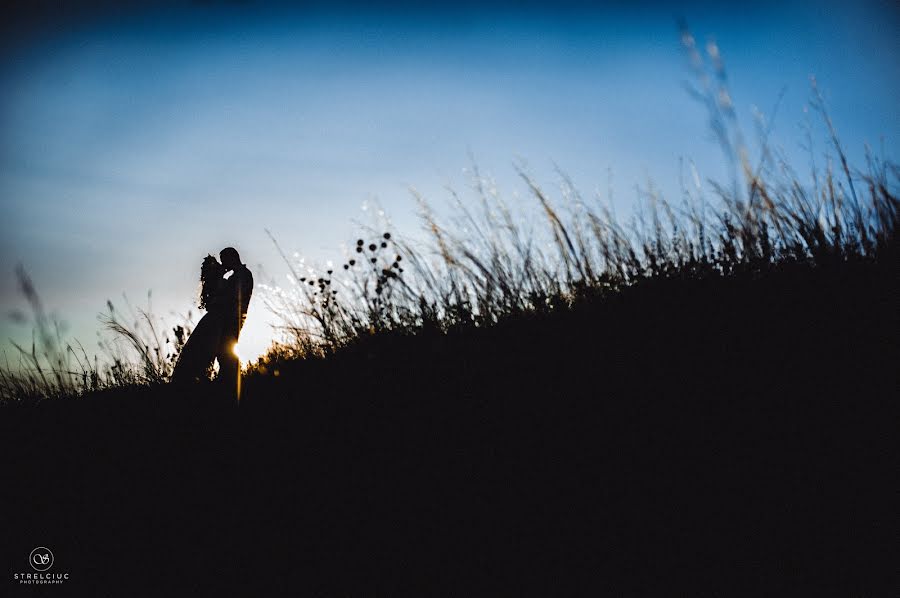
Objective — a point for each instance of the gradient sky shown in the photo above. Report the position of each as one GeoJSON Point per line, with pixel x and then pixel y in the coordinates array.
{"type": "Point", "coordinates": [135, 141]}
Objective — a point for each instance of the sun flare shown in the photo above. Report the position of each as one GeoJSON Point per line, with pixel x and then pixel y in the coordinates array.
{"type": "Point", "coordinates": [256, 336]}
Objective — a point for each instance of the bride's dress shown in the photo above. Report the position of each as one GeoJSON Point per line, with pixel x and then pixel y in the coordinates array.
{"type": "Point", "coordinates": [203, 344]}
{"type": "Point", "coordinates": [199, 351]}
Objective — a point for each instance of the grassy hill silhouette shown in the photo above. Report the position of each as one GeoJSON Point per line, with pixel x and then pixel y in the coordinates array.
{"type": "Point", "coordinates": [693, 432]}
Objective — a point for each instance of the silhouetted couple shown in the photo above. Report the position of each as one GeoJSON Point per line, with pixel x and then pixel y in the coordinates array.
{"type": "Point", "coordinates": [216, 334]}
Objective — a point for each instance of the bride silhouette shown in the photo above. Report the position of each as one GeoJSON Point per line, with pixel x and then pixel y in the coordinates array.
{"type": "Point", "coordinates": [226, 301]}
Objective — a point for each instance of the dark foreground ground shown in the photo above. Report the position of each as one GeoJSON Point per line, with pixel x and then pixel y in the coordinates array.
{"type": "Point", "coordinates": [718, 438]}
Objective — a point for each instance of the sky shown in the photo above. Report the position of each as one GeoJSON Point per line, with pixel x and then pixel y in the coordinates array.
{"type": "Point", "coordinates": [136, 139]}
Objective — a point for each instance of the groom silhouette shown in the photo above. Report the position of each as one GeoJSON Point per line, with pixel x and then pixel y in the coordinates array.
{"type": "Point", "coordinates": [234, 297]}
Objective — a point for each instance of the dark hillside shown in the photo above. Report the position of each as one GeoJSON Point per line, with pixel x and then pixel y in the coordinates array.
{"type": "Point", "coordinates": [722, 436]}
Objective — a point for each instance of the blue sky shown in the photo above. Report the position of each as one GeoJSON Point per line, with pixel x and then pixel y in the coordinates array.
{"type": "Point", "coordinates": [135, 141]}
